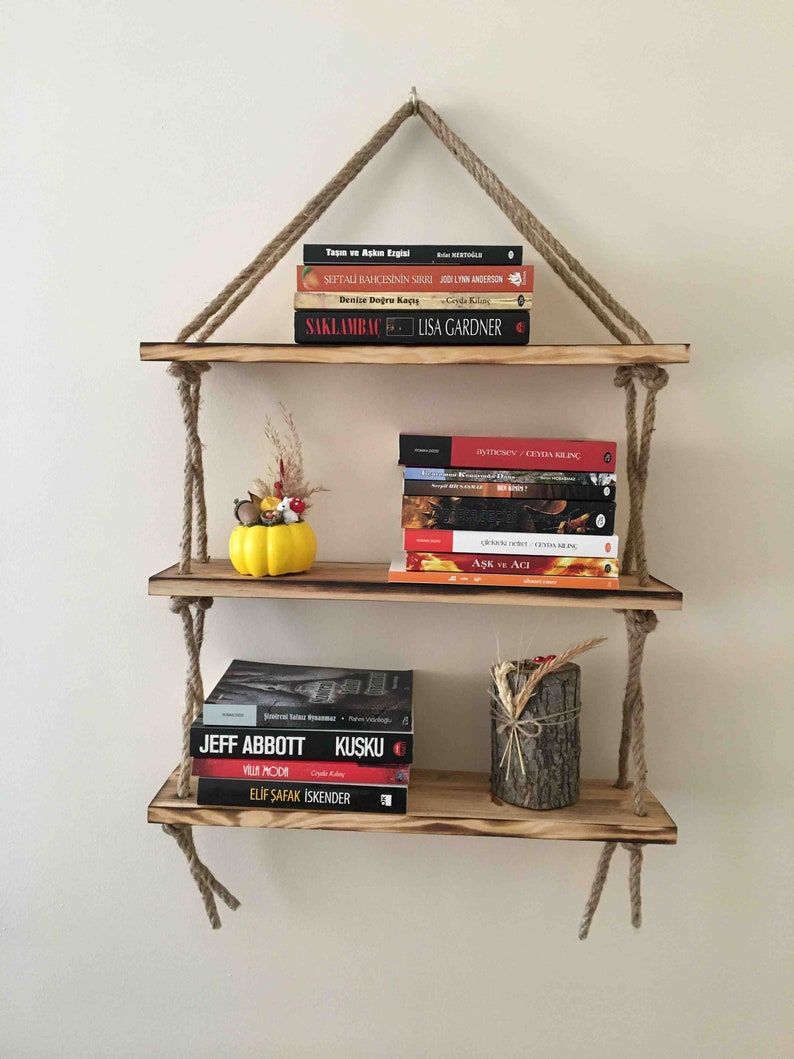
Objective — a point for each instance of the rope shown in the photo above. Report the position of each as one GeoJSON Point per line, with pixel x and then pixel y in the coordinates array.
{"type": "Point", "coordinates": [567, 267]}
{"type": "Point", "coordinates": [193, 630]}
{"type": "Point", "coordinates": [575, 276]}
{"type": "Point", "coordinates": [639, 623]}
{"type": "Point", "coordinates": [638, 454]}
{"type": "Point", "coordinates": [208, 885]}
{"type": "Point", "coordinates": [188, 378]}
{"type": "Point", "coordinates": [234, 293]}
{"type": "Point", "coordinates": [634, 850]}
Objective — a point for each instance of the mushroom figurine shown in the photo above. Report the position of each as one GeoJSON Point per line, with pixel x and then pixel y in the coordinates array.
{"type": "Point", "coordinates": [291, 508]}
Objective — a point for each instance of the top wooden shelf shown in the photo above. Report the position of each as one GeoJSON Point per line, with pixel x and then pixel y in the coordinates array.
{"type": "Point", "coordinates": [272, 353]}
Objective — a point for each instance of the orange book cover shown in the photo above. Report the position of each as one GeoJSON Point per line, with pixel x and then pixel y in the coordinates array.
{"type": "Point", "coordinates": [457, 279]}
{"type": "Point", "coordinates": [399, 575]}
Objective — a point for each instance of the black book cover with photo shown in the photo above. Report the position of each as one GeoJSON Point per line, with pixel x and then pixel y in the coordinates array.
{"type": "Point", "coordinates": [273, 695]}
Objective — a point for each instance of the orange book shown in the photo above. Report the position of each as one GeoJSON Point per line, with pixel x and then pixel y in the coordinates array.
{"type": "Point", "coordinates": [457, 279]}
{"type": "Point", "coordinates": [399, 575]}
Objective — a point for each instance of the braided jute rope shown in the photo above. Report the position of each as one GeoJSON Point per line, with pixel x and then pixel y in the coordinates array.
{"type": "Point", "coordinates": [592, 293]}
{"type": "Point", "coordinates": [638, 454]}
{"type": "Point", "coordinates": [634, 850]}
{"type": "Point", "coordinates": [208, 885]}
{"type": "Point", "coordinates": [188, 378]}
{"type": "Point", "coordinates": [639, 623]}
{"type": "Point", "coordinates": [193, 631]}
{"type": "Point", "coordinates": [192, 612]}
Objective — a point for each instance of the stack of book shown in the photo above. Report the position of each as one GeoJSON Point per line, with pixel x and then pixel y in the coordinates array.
{"type": "Point", "coordinates": [508, 512]}
{"type": "Point", "coordinates": [294, 737]}
{"type": "Point", "coordinates": [413, 295]}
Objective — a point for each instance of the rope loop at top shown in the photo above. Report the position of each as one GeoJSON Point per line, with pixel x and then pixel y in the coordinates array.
{"type": "Point", "coordinates": [652, 377]}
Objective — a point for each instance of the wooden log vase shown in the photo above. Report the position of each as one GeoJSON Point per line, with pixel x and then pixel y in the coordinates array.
{"type": "Point", "coordinates": [549, 750]}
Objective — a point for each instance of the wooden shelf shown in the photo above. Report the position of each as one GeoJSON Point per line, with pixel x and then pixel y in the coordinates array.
{"type": "Point", "coordinates": [272, 353]}
{"type": "Point", "coordinates": [447, 803]}
{"type": "Point", "coordinates": [367, 581]}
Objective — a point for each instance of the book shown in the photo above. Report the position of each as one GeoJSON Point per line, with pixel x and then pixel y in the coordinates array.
{"type": "Point", "coordinates": [531, 454]}
{"type": "Point", "coordinates": [535, 565]}
{"type": "Point", "coordinates": [325, 797]}
{"type": "Point", "coordinates": [409, 254]}
{"type": "Point", "coordinates": [551, 485]}
{"type": "Point", "coordinates": [212, 741]}
{"type": "Point", "coordinates": [400, 575]}
{"type": "Point", "coordinates": [440, 300]}
{"type": "Point", "coordinates": [421, 327]}
{"type": "Point", "coordinates": [491, 542]}
{"type": "Point", "coordinates": [306, 771]}
{"type": "Point", "coordinates": [509, 515]}
{"type": "Point", "coordinates": [423, 278]}
{"type": "Point", "coordinates": [272, 695]}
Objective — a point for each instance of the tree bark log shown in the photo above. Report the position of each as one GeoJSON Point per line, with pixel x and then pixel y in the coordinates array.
{"type": "Point", "coordinates": [551, 759]}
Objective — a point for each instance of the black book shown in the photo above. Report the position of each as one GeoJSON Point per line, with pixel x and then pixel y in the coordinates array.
{"type": "Point", "coordinates": [388, 748]}
{"type": "Point", "coordinates": [409, 254]}
{"type": "Point", "coordinates": [272, 695]}
{"type": "Point", "coordinates": [316, 797]}
{"type": "Point", "coordinates": [508, 515]}
{"type": "Point", "coordinates": [417, 327]}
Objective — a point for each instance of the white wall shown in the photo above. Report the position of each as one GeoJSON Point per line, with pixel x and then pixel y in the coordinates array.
{"type": "Point", "coordinates": [149, 150]}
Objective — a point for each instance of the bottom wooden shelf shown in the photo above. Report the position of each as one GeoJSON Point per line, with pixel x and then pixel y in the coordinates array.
{"type": "Point", "coordinates": [448, 803]}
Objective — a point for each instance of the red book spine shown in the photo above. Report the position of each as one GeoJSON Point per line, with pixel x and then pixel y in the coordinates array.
{"type": "Point", "coordinates": [533, 454]}
{"type": "Point", "coordinates": [521, 454]}
{"type": "Point", "coordinates": [490, 279]}
{"type": "Point", "coordinates": [302, 771]}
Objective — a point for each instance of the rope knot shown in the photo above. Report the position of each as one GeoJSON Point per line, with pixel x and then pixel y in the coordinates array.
{"type": "Point", "coordinates": [178, 604]}
{"type": "Point", "coordinates": [641, 622]}
{"type": "Point", "coordinates": [187, 371]}
{"type": "Point", "coordinates": [652, 377]}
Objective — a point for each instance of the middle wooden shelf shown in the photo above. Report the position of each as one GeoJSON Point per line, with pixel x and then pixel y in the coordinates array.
{"type": "Point", "coordinates": [368, 581]}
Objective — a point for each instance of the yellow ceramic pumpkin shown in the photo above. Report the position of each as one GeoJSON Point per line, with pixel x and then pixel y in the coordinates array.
{"type": "Point", "coordinates": [269, 551]}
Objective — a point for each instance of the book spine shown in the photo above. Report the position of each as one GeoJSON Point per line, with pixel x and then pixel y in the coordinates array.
{"type": "Point", "coordinates": [269, 769]}
{"type": "Point", "coordinates": [509, 490]}
{"type": "Point", "coordinates": [417, 328]}
{"type": "Point", "coordinates": [507, 474]}
{"type": "Point", "coordinates": [439, 577]}
{"type": "Point", "coordinates": [325, 797]}
{"type": "Point", "coordinates": [487, 542]}
{"type": "Point", "coordinates": [409, 254]}
{"type": "Point", "coordinates": [507, 515]}
{"type": "Point", "coordinates": [526, 565]}
{"type": "Point", "coordinates": [398, 302]}
{"type": "Point", "coordinates": [422, 278]}
{"type": "Point", "coordinates": [356, 747]}
{"type": "Point", "coordinates": [533, 454]}
{"type": "Point", "coordinates": [253, 715]}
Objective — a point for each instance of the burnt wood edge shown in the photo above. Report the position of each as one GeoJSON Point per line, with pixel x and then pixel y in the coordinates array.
{"type": "Point", "coordinates": [351, 589]}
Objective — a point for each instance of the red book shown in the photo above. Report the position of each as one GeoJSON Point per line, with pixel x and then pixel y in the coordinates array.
{"type": "Point", "coordinates": [526, 565]}
{"type": "Point", "coordinates": [302, 771]}
{"type": "Point", "coordinates": [527, 454]}
{"type": "Point", "coordinates": [489, 279]}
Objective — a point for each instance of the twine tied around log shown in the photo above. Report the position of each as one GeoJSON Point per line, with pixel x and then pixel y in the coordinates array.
{"type": "Point", "coordinates": [511, 703]}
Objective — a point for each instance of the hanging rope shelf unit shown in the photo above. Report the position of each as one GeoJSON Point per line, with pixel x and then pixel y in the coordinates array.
{"type": "Point", "coordinates": [622, 812]}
